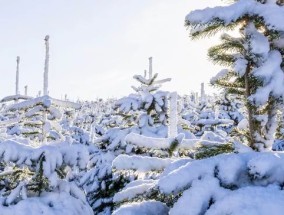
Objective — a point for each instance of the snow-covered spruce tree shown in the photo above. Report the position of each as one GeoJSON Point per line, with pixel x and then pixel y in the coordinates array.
{"type": "Point", "coordinates": [253, 181]}
{"type": "Point", "coordinates": [99, 183]}
{"type": "Point", "coordinates": [155, 156]}
{"type": "Point", "coordinates": [143, 112]}
{"type": "Point", "coordinates": [255, 62]}
{"type": "Point", "coordinates": [39, 119]}
{"type": "Point", "coordinates": [206, 118]}
{"type": "Point", "coordinates": [148, 104]}
{"type": "Point", "coordinates": [195, 110]}
{"type": "Point", "coordinates": [229, 106]}
{"type": "Point", "coordinates": [36, 180]}
{"type": "Point", "coordinates": [96, 117]}
{"type": "Point", "coordinates": [188, 111]}
{"type": "Point", "coordinates": [77, 123]}
{"type": "Point", "coordinates": [143, 190]}
{"type": "Point", "coordinates": [207, 186]}
{"type": "Point", "coordinates": [85, 116]}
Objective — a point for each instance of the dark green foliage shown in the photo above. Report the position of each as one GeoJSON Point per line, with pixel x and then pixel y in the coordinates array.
{"type": "Point", "coordinates": [168, 199]}
{"type": "Point", "coordinates": [101, 199]}
{"type": "Point", "coordinates": [233, 50]}
{"type": "Point", "coordinates": [173, 147]}
{"type": "Point", "coordinates": [39, 182]}
{"type": "Point", "coordinates": [34, 178]}
{"type": "Point", "coordinates": [205, 151]}
{"type": "Point", "coordinates": [209, 29]}
{"type": "Point", "coordinates": [11, 179]}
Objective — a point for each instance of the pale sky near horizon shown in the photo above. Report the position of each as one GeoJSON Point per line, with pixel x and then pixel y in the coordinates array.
{"type": "Point", "coordinates": [96, 46]}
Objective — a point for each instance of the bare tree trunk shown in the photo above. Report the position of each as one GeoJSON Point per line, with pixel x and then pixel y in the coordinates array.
{"type": "Point", "coordinates": [26, 90]}
{"type": "Point", "coordinates": [150, 68]}
{"type": "Point", "coordinates": [17, 76]}
{"type": "Point", "coordinates": [46, 64]}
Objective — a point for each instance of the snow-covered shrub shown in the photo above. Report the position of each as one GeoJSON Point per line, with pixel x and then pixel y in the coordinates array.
{"type": "Point", "coordinates": [39, 176]}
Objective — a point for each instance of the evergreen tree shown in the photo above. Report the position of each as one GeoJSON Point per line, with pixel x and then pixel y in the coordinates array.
{"type": "Point", "coordinates": [39, 119]}
{"type": "Point", "coordinates": [41, 175]}
{"type": "Point", "coordinates": [229, 106]}
{"type": "Point", "coordinates": [255, 62]}
{"type": "Point", "coordinates": [148, 104]}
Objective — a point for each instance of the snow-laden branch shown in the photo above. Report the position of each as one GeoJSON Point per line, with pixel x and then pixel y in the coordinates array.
{"type": "Point", "coordinates": [133, 189]}
{"type": "Point", "coordinates": [148, 142]}
{"type": "Point", "coordinates": [160, 143]}
{"type": "Point", "coordinates": [15, 97]}
{"type": "Point", "coordinates": [271, 14]}
{"type": "Point", "coordinates": [9, 122]}
{"type": "Point", "coordinates": [140, 163]}
{"type": "Point", "coordinates": [44, 100]}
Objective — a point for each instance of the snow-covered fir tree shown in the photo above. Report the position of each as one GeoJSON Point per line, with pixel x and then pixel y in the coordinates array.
{"type": "Point", "coordinates": [148, 104]}
{"type": "Point", "coordinates": [39, 119]}
{"type": "Point", "coordinates": [229, 106]}
{"type": "Point", "coordinates": [255, 63]}
{"type": "Point", "coordinates": [37, 178]}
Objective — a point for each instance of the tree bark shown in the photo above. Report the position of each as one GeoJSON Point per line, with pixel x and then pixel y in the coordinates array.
{"type": "Point", "coordinates": [249, 109]}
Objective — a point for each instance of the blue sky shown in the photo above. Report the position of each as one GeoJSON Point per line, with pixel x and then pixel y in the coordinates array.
{"type": "Point", "coordinates": [96, 46]}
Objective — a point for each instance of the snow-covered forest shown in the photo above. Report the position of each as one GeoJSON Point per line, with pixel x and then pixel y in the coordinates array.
{"type": "Point", "coordinates": [156, 152]}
